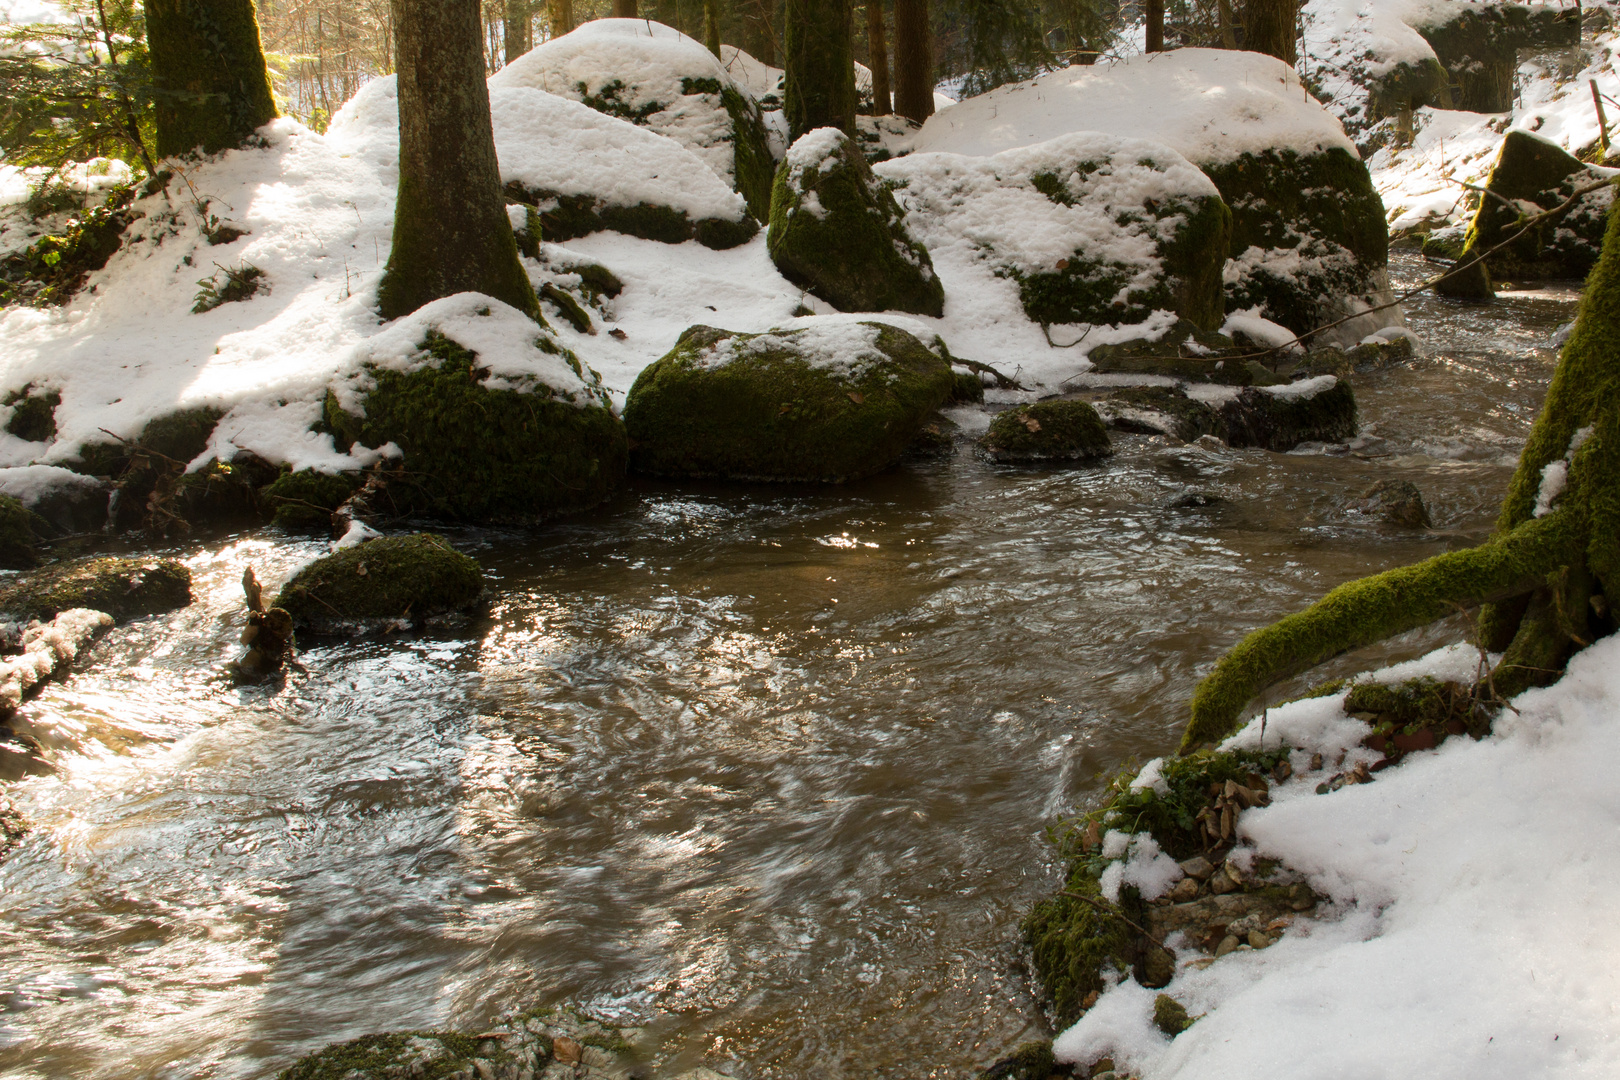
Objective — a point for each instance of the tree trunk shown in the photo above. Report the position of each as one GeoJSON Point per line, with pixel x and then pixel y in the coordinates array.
{"type": "Point", "coordinates": [518, 37]}
{"type": "Point", "coordinates": [560, 16]}
{"type": "Point", "coordinates": [711, 25]}
{"type": "Point", "coordinates": [1154, 16]}
{"type": "Point", "coordinates": [625, 9]}
{"type": "Point", "coordinates": [1544, 583]}
{"type": "Point", "coordinates": [761, 35]}
{"type": "Point", "coordinates": [877, 40]}
{"type": "Point", "coordinates": [208, 70]}
{"type": "Point", "coordinates": [913, 64]}
{"type": "Point", "coordinates": [819, 48]}
{"type": "Point", "coordinates": [451, 232]}
{"type": "Point", "coordinates": [1270, 27]}
{"type": "Point", "coordinates": [1223, 11]}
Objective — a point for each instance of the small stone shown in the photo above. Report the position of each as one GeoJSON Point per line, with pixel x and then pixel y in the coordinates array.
{"type": "Point", "coordinates": [567, 1050]}
{"type": "Point", "coordinates": [1398, 502]}
{"type": "Point", "coordinates": [1100, 1066]}
{"type": "Point", "coordinates": [1220, 884]}
{"type": "Point", "coordinates": [1089, 1000]}
{"type": "Point", "coordinates": [1158, 967]}
{"type": "Point", "coordinates": [1228, 943]}
{"type": "Point", "coordinates": [1197, 867]}
{"type": "Point", "coordinates": [1170, 1016]}
{"type": "Point", "coordinates": [484, 1068]}
{"type": "Point", "coordinates": [1316, 763]}
{"type": "Point", "coordinates": [1258, 940]}
{"type": "Point", "coordinates": [558, 1071]}
{"type": "Point", "coordinates": [1184, 890]}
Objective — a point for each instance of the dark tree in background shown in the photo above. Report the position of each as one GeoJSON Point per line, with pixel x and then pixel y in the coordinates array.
{"type": "Point", "coordinates": [877, 41]}
{"type": "Point", "coordinates": [560, 15]}
{"type": "Point", "coordinates": [1154, 13]}
{"type": "Point", "coordinates": [518, 34]}
{"type": "Point", "coordinates": [211, 89]}
{"type": "Point", "coordinates": [819, 84]}
{"type": "Point", "coordinates": [625, 9]}
{"type": "Point", "coordinates": [913, 60]}
{"type": "Point", "coordinates": [1270, 26]}
{"type": "Point", "coordinates": [451, 232]}
{"type": "Point", "coordinates": [711, 25]}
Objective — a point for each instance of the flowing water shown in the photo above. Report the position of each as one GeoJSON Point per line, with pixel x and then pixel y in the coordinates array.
{"type": "Point", "coordinates": [768, 766]}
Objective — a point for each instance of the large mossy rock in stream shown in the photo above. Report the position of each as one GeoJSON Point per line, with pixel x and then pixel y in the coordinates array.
{"type": "Point", "coordinates": [827, 400]}
{"type": "Point", "coordinates": [1321, 409]}
{"type": "Point", "coordinates": [390, 580]}
{"type": "Point", "coordinates": [1186, 354]}
{"type": "Point", "coordinates": [1094, 228]}
{"type": "Point", "coordinates": [1532, 172]}
{"type": "Point", "coordinates": [125, 588]}
{"type": "Point", "coordinates": [519, 432]}
{"type": "Point", "coordinates": [1046, 432]}
{"type": "Point", "coordinates": [836, 231]}
{"type": "Point", "coordinates": [1478, 45]}
{"type": "Point", "coordinates": [656, 77]}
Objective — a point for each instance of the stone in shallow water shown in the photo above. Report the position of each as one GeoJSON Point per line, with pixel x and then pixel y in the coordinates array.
{"type": "Point", "coordinates": [1047, 431]}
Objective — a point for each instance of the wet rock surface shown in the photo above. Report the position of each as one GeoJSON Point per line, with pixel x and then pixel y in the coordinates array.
{"type": "Point", "coordinates": [1046, 432]}
{"type": "Point", "coordinates": [125, 588]}
{"type": "Point", "coordinates": [395, 581]}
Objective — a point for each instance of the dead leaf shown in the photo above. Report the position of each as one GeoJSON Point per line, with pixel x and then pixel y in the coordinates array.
{"type": "Point", "coordinates": [857, 398]}
{"type": "Point", "coordinates": [1032, 424]}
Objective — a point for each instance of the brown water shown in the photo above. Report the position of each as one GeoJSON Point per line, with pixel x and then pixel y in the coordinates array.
{"type": "Point", "coordinates": [769, 765]}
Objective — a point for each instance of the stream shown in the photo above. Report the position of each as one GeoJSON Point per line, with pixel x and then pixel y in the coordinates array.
{"type": "Point", "coordinates": [769, 767]}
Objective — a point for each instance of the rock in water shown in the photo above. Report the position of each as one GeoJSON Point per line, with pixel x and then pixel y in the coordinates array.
{"type": "Point", "coordinates": [837, 231]}
{"type": "Point", "coordinates": [1398, 502]}
{"type": "Point", "coordinates": [1322, 409]}
{"type": "Point", "coordinates": [1031, 1061]}
{"type": "Point", "coordinates": [1047, 431]}
{"type": "Point", "coordinates": [123, 588]}
{"type": "Point", "coordinates": [392, 581]}
{"type": "Point", "coordinates": [823, 399]}
{"type": "Point", "coordinates": [1532, 172]}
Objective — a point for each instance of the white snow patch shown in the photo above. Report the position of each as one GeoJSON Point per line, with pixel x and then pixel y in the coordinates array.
{"type": "Point", "coordinates": [1249, 321]}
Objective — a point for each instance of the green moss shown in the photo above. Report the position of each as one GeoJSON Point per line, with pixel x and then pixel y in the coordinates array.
{"type": "Point", "coordinates": [568, 217]}
{"type": "Point", "coordinates": [180, 435]}
{"type": "Point", "coordinates": [376, 1055]}
{"type": "Point", "coordinates": [396, 577]}
{"type": "Point", "coordinates": [1170, 1016]}
{"type": "Point", "coordinates": [753, 167]}
{"type": "Point", "coordinates": [1410, 86]}
{"type": "Point", "coordinates": [53, 268]}
{"type": "Point", "coordinates": [304, 500]}
{"type": "Point", "coordinates": [472, 453]}
{"type": "Point", "coordinates": [1171, 816]}
{"type": "Point", "coordinates": [1415, 705]}
{"type": "Point", "coordinates": [1072, 944]}
{"type": "Point", "coordinates": [33, 413]}
{"type": "Point", "coordinates": [1031, 1061]}
{"type": "Point", "coordinates": [16, 535]}
{"type": "Point", "coordinates": [221, 492]}
{"type": "Point", "coordinates": [1047, 431]}
{"type": "Point", "coordinates": [213, 90]}
{"type": "Point", "coordinates": [123, 588]}
{"type": "Point", "coordinates": [855, 253]}
{"type": "Point", "coordinates": [768, 414]}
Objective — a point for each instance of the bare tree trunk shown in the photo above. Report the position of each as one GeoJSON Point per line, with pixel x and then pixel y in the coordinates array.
{"type": "Point", "coordinates": [1228, 33]}
{"type": "Point", "coordinates": [560, 16]}
{"type": "Point", "coordinates": [518, 37]}
{"type": "Point", "coordinates": [1155, 25]}
{"type": "Point", "coordinates": [208, 65]}
{"type": "Point", "coordinates": [711, 25]}
{"type": "Point", "coordinates": [877, 39]}
{"type": "Point", "coordinates": [913, 62]}
{"type": "Point", "coordinates": [761, 34]}
{"type": "Point", "coordinates": [451, 232]}
{"type": "Point", "coordinates": [1270, 26]}
{"type": "Point", "coordinates": [820, 66]}
{"type": "Point", "coordinates": [624, 9]}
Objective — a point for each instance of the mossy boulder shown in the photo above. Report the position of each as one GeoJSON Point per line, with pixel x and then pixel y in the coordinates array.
{"type": "Point", "coordinates": [1031, 1061]}
{"type": "Point", "coordinates": [303, 500]}
{"type": "Point", "coordinates": [1531, 172]}
{"type": "Point", "coordinates": [1310, 243]}
{"type": "Point", "coordinates": [16, 535]}
{"type": "Point", "coordinates": [1093, 228]}
{"type": "Point", "coordinates": [1322, 409]}
{"type": "Point", "coordinates": [1047, 431]}
{"type": "Point", "coordinates": [392, 579]}
{"type": "Point", "coordinates": [124, 588]}
{"type": "Point", "coordinates": [33, 413]}
{"type": "Point", "coordinates": [836, 231]}
{"type": "Point", "coordinates": [568, 217]}
{"type": "Point", "coordinates": [1478, 45]}
{"type": "Point", "coordinates": [515, 445]}
{"type": "Point", "coordinates": [831, 400]}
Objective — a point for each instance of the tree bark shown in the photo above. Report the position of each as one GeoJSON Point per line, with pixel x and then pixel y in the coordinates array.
{"type": "Point", "coordinates": [1270, 27]}
{"type": "Point", "coordinates": [711, 25]}
{"type": "Point", "coordinates": [1154, 16]}
{"type": "Point", "coordinates": [762, 36]}
{"type": "Point", "coordinates": [913, 61]}
{"type": "Point", "coordinates": [819, 84]}
{"type": "Point", "coordinates": [625, 9]}
{"type": "Point", "coordinates": [208, 71]}
{"type": "Point", "coordinates": [451, 232]}
{"type": "Point", "coordinates": [517, 33]}
{"type": "Point", "coordinates": [560, 16]}
{"type": "Point", "coordinates": [877, 40]}
{"type": "Point", "coordinates": [1228, 33]}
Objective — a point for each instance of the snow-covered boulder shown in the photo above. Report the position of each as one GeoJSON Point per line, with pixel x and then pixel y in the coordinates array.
{"type": "Point", "coordinates": [838, 232]}
{"type": "Point", "coordinates": [655, 76]}
{"type": "Point", "coordinates": [382, 583]}
{"type": "Point", "coordinates": [1309, 242]}
{"type": "Point", "coordinates": [1532, 174]}
{"type": "Point", "coordinates": [1094, 228]}
{"type": "Point", "coordinates": [492, 419]}
{"type": "Point", "coordinates": [824, 398]}
{"type": "Point", "coordinates": [1047, 431]}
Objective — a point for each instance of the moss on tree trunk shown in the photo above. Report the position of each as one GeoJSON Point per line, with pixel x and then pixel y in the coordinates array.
{"type": "Point", "coordinates": [819, 84]}
{"type": "Point", "coordinates": [212, 89]}
{"type": "Point", "coordinates": [451, 232]}
{"type": "Point", "coordinates": [1545, 579]}
{"type": "Point", "coordinates": [913, 61]}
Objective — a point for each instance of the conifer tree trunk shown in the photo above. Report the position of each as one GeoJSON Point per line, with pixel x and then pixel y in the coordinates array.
{"type": "Point", "coordinates": [762, 36]}
{"type": "Point", "coordinates": [451, 232]}
{"type": "Point", "coordinates": [208, 71]}
{"type": "Point", "coordinates": [877, 39]}
{"type": "Point", "coordinates": [560, 16]}
{"type": "Point", "coordinates": [517, 35]}
{"type": "Point", "coordinates": [1547, 582]}
{"type": "Point", "coordinates": [711, 25]}
{"type": "Point", "coordinates": [624, 9]}
{"type": "Point", "coordinates": [1269, 26]}
{"type": "Point", "coordinates": [1154, 16]}
{"type": "Point", "coordinates": [819, 83]}
{"type": "Point", "coordinates": [913, 61]}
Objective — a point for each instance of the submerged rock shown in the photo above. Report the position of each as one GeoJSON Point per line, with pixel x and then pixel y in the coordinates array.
{"type": "Point", "coordinates": [1047, 431]}
{"type": "Point", "coordinates": [124, 588]}
{"type": "Point", "coordinates": [1398, 502]}
{"type": "Point", "coordinates": [392, 581]}
{"type": "Point", "coordinates": [837, 231]}
{"type": "Point", "coordinates": [1321, 409]}
{"type": "Point", "coordinates": [828, 400]}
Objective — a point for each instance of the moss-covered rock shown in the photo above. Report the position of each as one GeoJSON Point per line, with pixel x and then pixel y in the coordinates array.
{"type": "Point", "coordinates": [836, 231]}
{"type": "Point", "coordinates": [826, 401]}
{"type": "Point", "coordinates": [33, 413]}
{"type": "Point", "coordinates": [1170, 1016]}
{"type": "Point", "coordinates": [1047, 431]}
{"type": "Point", "coordinates": [1322, 409]}
{"type": "Point", "coordinates": [1310, 243]}
{"type": "Point", "coordinates": [479, 446]}
{"type": "Point", "coordinates": [387, 580]}
{"type": "Point", "coordinates": [16, 535]}
{"type": "Point", "coordinates": [122, 587]}
{"type": "Point", "coordinates": [1531, 172]}
{"type": "Point", "coordinates": [427, 1055]}
{"type": "Point", "coordinates": [1031, 1061]}
{"type": "Point", "coordinates": [568, 217]}
{"type": "Point", "coordinates": [1187, 354]}
{"type": "Point", "coordinates": [303, 501]}
{"type": "Point", "coordinates": [1478, 45]}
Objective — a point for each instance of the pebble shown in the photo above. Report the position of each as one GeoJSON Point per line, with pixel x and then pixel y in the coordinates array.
{"type": "Point", "coordinates": [1197, 867]}
{"type": "Point", "coordinates": [1258, 940]}
{"type": "Point", "coordinates": [1228, 944]}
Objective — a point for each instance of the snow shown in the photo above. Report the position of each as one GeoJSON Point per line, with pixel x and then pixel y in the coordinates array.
{"type": "Point", "coordinates": [1555, 474]}
{"type": "Point", "coordinates": [29, 484]}
{"type": "Point", "coordinates": [1302, 390]}
{"type": "Point", "coordinates": [1461, 939]}
{"type": "Point", "coordinates": [46, 649]}
{"type": "Point", "coordinates": [1144, 865]}
{"type": "Point", "coordinates": [840, 344]}
{"type": "Point", "coordinates": [1209, 105]}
